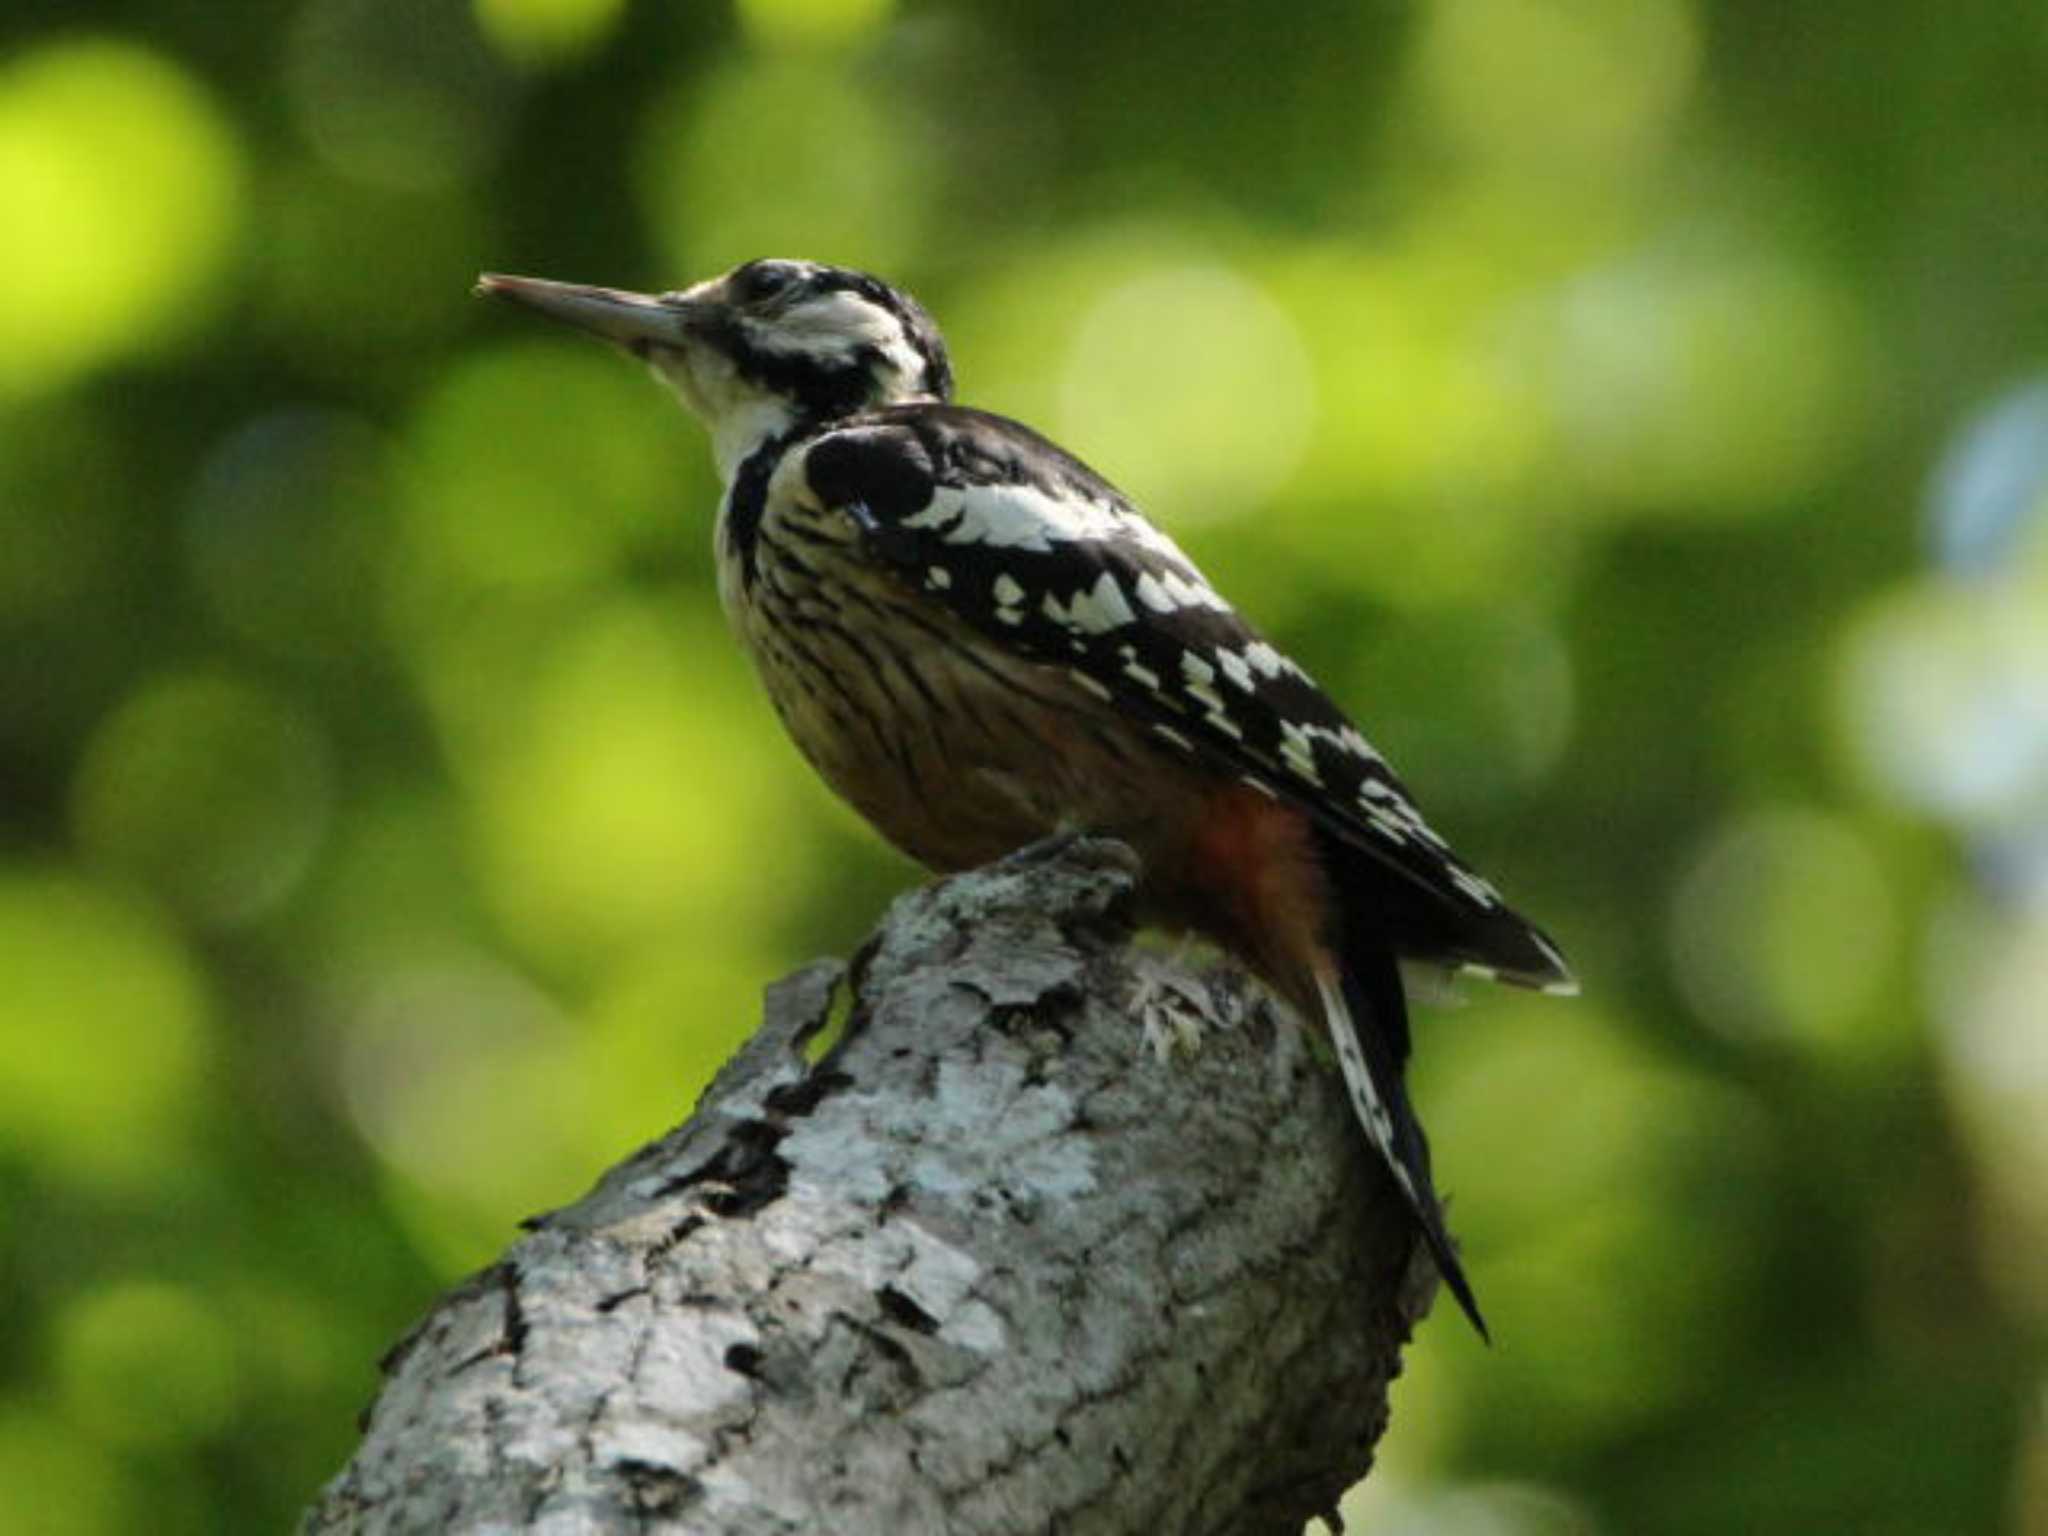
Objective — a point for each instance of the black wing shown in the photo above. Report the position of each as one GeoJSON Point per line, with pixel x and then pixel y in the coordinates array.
{"type": "Point", "coordinates": [1044, 557]}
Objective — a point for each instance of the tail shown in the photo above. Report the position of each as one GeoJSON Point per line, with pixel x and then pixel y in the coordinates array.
{"type": "Point", "coordinates": [1367, 1012]}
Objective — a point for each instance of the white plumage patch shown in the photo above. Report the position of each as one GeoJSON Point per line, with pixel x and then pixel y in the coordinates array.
{"type": "Point", "coordinates": [1024, 517]}
{"type": "Point", "coordinates": [1366, 1103]}
{"type": "Point", "coordinates": [1297, 753]}
{"type": "Point", "coordinates": [1236, 668]}
{"type": "Point", "coordinates": [1102, 606]}
{"type": "Point", "coordinates": [1264, 658]}
{"type": "Point", "coordinates": [1170, 591]}
{"type": "Point", "coordinates": [1096, 611]}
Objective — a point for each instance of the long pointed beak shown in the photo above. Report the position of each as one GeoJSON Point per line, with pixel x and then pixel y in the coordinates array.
{"type": "Point", "coordinates": [633, 320]}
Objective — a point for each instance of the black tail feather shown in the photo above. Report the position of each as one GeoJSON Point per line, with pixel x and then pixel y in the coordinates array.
{"type": "Point", "coordinates": [1378, 1016]}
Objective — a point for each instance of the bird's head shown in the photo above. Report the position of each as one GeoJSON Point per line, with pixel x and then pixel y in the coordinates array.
{"type": "Point", "coordinates": [767, 345]}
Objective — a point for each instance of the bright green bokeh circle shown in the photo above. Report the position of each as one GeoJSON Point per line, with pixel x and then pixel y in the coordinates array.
{"type": "Point", "coordinates": [120, 192]}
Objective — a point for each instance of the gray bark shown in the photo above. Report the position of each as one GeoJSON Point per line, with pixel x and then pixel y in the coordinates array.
{"type": "Point", "coordinates": [992, 1264]}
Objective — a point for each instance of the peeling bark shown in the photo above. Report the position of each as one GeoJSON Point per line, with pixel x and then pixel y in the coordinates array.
{"type": "Point", "coordinates": [991, 1265]}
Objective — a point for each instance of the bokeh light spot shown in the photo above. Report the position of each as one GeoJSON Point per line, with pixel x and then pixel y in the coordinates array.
{"type": "Point", "coordinates": [102, 1024]}
{"type": "Point", "coordinates": [210, 791]}
{"type": "Point", "coordinates": [850, 178]}
{"type": "Point", "coordinates": [1585, 87]}
{"type": "Point", "coordinates": [1784, 928]}
{"type": "Point", "coordinates": [626, 803]}
{"type": "Point", "coordinates": [393, 93]}
{"type": "Point", "coordinates": [147, 1364]}
{"type": "Point", "coordinates": [1945, 690]}
{"type": "Point", "coordinates": [1706, 386]}
{"type": "Point", "coordinates": [120, 191]}
{"type": "Point", "coordinates": [1995, 1052]}
{"type": "Point", "coordinates": [537, 466]}
{"type": "Point", "coordinates": [72, 1482]}
{"type": "Point", "coordinates": [544, 32]}
{"type": "Point", "coordinates": [1193, 390]}
{"type": "Point", "coordinates": [800, 23]}
{"type": "Point", "coordinates": [1989, 503]}
{"type": "Point", "coordinates": [1430, 439]}
{"type": "Point", "coordinates": [455, 1069]}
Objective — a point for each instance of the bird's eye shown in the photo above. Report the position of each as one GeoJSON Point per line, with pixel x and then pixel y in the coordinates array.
{"type": "Point", "coordinates": [760, 281]}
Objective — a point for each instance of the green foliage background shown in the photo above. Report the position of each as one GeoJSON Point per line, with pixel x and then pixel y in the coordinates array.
{"type": "Point", "coordinates": [1632, 408]}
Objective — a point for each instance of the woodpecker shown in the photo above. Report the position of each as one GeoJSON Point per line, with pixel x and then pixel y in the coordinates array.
{"type": "Point", "coordinates": [979, 642]}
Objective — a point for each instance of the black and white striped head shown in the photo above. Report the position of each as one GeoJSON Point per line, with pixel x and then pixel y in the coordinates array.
{"type": "Point", "coordinates": [765, 346]}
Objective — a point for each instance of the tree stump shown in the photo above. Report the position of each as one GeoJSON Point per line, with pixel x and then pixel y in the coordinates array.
{"type": "Point", "coordinates": [994, 1262]}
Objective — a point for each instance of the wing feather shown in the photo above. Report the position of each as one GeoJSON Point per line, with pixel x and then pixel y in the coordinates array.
{"type": "Point", "coordinates": [1042, 556]}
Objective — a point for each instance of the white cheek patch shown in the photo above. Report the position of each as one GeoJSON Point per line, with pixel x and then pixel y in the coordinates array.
{"type": "Point", "coordinates": [841, 326]}
{"type": "Point", "coordinates": [837, 315]}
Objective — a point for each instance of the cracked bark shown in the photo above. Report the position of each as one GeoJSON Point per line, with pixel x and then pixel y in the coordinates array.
{"type": "Point", "coordinates": [988, 1266]}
